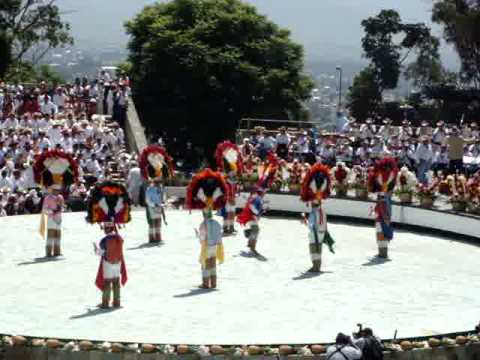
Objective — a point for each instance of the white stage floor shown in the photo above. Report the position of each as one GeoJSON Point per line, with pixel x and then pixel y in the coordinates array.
{"type": "Point", "coordinates": [429, 287]}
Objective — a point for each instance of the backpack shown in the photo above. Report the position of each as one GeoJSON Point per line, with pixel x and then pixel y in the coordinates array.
{"type": "Point", "coordinates": [373, 349]}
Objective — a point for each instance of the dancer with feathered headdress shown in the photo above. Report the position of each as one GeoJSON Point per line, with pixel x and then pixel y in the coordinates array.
{"type": "Point", "coordinates": [54, 171]}
{"type": "Point", "coordinates": [255, 206]}
{"type": "Point", "coordinates": [381, 180]}
{"type": "Point", "coordinates": [208, 192]}
{"type": "Point", "coordinates": [316, 187]}
{"type": "Point", "coordinates": [229, 162]}
{"type": "Point", "coordinates": [109, 205]}
{"type": "Point", "coordinates": [156, 167]}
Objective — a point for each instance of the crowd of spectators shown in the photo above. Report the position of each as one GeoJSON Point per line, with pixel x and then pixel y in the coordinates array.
{"type": "Point", "coordinates": [42, 117]}
{"type": "Point", "coordinates": [442, 149]}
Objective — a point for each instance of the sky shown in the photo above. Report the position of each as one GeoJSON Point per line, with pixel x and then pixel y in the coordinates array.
{"type": "Point", "coordinates": [328, 29]}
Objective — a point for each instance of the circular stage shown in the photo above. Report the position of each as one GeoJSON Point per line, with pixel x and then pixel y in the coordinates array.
{"type": "Point", "coordinates": [428, 287]}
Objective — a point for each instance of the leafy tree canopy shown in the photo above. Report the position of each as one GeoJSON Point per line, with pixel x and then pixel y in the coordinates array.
{"type": "Point", "coordinates": [461, 24]}
{"type": "Point", "coordinates": [365, 95]}
{"type": "Point", "coordinates": [28, 73]}
{"type": "Point", "coordinates": [31, 28]}
{"type": "Point", "coordinates": [388, 43]}
{"type": "Point", "coordinates": [204, 64]}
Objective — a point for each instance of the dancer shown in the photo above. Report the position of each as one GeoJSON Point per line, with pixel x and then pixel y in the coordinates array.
{"type": "Point", "coordinates": [54, 171]}
{"type": "Point", "coordinates": [112, 271]}
{"type": "Point", "coordinates": [210, 236]}
{"type": "Point", "coordinates": [316, 187]}
{"type": "Point", "coordinates": [382, 225]}
{"type": "Point", "coordinates": [109, 205]}
{"type": "Point", "coordinates": [52, 208]}
{"type": "Point", "coordinates": [155, 210]}
{"type": "Point", "coordinates": [255, 206]}
{"type": "Point", "coordinates": [381, 180]}
{"type": "Point", "coordinates": [229, 161]}
{"type": "Point", "coordinates": [250, 217]}
{"type": "Point", "coordinates": [156, 167]}
{"type": "Point", "coordinates": [207, 192]}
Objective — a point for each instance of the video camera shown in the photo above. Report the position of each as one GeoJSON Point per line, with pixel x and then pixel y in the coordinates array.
{"type": "Point", "coordinates": [359, 333]}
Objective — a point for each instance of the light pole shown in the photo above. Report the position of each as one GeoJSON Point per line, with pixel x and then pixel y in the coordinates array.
{"type": "Point", "coordinates": [340, 70]}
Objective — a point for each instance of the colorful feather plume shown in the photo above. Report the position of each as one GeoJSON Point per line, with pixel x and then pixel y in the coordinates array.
{"type": "Point", "coordinates": [55, 167]}
{"type": "Point", "coordinates": [207, 189]}
{"type": "Point", "coordinates": [383, 175]}
{"type": "Point", "coordinates": [317, 183]}
{"type": "Point", "coordinates": [229, 158]}
{"type": "Point", "coordinates": [109, 202]}
{"type": "Point", "coordinates": [156, 163]}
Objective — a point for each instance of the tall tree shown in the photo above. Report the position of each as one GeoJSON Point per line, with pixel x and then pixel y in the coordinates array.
{"type": "Point", "coordinates": [389, 43]}
{"type": "Point", "coordinates": [32, 27]}
{"type": "Point", "coordinates": [5, 54]}
{"type": "Point", "coordinates": [364, 95]}
{"type": "Point", "coordinates": [204, 64]}
{"type": "Point", "coordinates": [461, 24]}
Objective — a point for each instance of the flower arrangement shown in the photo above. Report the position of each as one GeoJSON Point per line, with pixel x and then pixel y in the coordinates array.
{"type": "Point", "coordinates": [358, 180]}
{"type": "Point", "coordinates": [405, 185]}
{"type": "Point", "coordinates": [458, 191]}
{"type": "Point", "coordinates": [473, 193]}
{"type": "Point", "coordinates": [426, 193]}
{"type": "Point", "coordinates": [296, 171]}
{"type": "Point", "coordinates": [340, 179]}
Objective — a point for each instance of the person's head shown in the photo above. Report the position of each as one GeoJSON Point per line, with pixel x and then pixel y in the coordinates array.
{"type": "Point", "coordinates": [108, 227]}
{"type": "Point", "coordinates": [367, 332]}
{"type": "Point", "coordinates": [342, 339]}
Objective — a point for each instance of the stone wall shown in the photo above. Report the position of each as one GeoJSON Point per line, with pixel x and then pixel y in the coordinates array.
{"type": "Point", "coordinates": [468, 351]}
{"type": "Point", "coordinates": [134, 130]}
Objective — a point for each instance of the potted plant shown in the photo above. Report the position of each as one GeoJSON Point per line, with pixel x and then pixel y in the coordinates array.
{"type": "Point", "coordinates": [473, 194]}
{"type": "Point", "coordinates": [458, 190]}
{"type": "Point", "coordinates": [340, 179]}
{"type": "Point", "coordinates": [405, 185]}
{"type": "Point", "coordinates": [295, 178]}
{"type": "Point", "coordinates": [359, 182]}
{"type": "Point", "coordinates": [426, 194]}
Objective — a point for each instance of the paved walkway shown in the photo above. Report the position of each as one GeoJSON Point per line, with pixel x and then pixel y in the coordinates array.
{"type": "Point", "coordinates": [429, 287]}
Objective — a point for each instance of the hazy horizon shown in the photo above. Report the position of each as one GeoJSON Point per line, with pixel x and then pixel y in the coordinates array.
{"type": "Point", "coordinates": [330, 30]}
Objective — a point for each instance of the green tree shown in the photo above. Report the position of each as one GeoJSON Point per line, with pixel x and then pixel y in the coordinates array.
{"type": "Point", "coordinates": [25, 72]}
{"type": "Point", "coordinates": [389, 43]}
{"type": "Point", "coordinates": [32, 28]}
{"type": "Point", "coordinates": [204, 64]}
{"type": "Point", "coordinates": [5, 55]}
{"type": "Point", "coordinates": [364, 96]}
{"type": "Point", "coordinates": [461, 26]}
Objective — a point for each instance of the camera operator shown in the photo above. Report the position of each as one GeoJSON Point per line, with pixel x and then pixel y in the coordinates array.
{"type": "Point", "coordinates": [370, 345]}
{"type": "Point", "coordinates": [344, 349]}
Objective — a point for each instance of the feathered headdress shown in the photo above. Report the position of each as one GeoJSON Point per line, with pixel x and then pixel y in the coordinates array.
{"type": "Point", "coordinates": [55, 167]}
{"type": "Point", "coordinates": [229, 158]}
{"type": "Point", "coordinates": [155, 163]}
{"type": "Point", "coordinates": [317, 183]}
{"type": "Point", "coordinates": [109, 202]}
{"type": "Point", "coordinates": [207, 190]}
{"type": "Point", "coordinates": [383, 175]}
{"type": "Point", "coordinates": [268, 171]}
